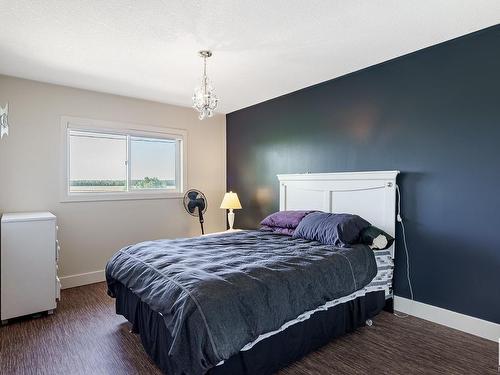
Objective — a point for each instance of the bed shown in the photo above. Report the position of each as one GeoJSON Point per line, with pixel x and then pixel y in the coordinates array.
{"type": "Point", "coordinates": [251, 302]}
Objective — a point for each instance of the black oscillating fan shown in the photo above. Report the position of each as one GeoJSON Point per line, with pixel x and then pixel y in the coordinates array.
{"type": "Point", "coordinates": [195, 204]}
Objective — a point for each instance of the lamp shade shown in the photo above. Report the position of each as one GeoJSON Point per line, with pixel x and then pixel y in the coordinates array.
{"type": "Point", "coordinates": [230, 201]}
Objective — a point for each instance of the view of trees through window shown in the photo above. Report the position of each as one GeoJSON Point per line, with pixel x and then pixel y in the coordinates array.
{"type": "Point", "coordinates": [99, 162]}
{"type": "Point", "coordinates": [120, 185]}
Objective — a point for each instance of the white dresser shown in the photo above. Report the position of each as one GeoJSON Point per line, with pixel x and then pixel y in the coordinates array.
{"type": "Point", "coordinates": [28, 264]}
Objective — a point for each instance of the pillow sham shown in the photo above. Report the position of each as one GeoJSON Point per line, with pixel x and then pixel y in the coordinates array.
{"type": "Point", "coordinates": [278, 230]}
{"type": "Point", "coordinates": [376, 238]}
{"type": "Point", "coordinates": [284, 219]}
{"type": "Point", "coordinates": [340, 230]}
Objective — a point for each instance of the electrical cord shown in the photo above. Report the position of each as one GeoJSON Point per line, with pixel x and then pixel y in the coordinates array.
{"type": "Point", "coordinates": [400, 221]}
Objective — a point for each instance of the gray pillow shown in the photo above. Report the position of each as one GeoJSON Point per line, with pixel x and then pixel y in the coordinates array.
{"type": "Point", "coordinates": [340, 230]}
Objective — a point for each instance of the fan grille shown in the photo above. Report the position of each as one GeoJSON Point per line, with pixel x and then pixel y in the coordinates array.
{"type": "Point", "coordinates": [195, 199]}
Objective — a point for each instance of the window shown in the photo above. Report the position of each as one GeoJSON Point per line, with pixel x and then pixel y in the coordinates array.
{"type": "Point", "coordinates": [107, 161]}
{"type": "Point", "coordinates": [153, 163]}
{"type": "Point", "coordinates": [97, 162]}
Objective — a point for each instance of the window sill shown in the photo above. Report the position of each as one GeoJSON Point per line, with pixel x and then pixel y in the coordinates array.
{"type": "Point", "coordinates": [119, 197]}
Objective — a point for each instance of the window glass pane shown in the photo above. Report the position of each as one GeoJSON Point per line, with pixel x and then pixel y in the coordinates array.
{"type": "Point", "coordinates": [97, 162]}
{"type": "Point", "coordinates": [152, 163]}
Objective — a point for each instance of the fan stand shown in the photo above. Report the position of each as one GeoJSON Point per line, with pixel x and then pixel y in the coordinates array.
{"type": "Point", "coordinates": [200, 215]}
{"type": "Point", "coordinates": [195, 199]}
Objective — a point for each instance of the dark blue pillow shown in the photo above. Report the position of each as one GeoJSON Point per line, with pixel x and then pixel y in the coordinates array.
{"type": "Point", "coordinates": [340, 230]}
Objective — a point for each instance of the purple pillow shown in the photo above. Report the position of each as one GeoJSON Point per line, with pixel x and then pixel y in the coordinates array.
{"type": "Point", "coordinates": [340, 230]}
{"type": "Point", "coordinates": [278, 230]}
{"type": "Point", "coordinates": [284, 219]}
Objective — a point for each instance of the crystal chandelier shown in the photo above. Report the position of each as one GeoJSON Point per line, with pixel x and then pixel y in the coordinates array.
{"type": "Point", "coordinates": [204, 99]}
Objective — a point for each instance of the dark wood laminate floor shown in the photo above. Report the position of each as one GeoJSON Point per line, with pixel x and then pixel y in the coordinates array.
{"type": "Point", "coordinates": [85, 336]}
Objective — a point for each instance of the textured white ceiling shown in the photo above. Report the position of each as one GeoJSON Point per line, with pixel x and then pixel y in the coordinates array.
{"type": "Point", "coordinates": [262, 49]}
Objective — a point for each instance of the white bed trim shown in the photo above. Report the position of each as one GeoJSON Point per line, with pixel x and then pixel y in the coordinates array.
{"type": "Point", "coordinates": [371, 175]}
{"type": "Point", "coordinates": [306, 315]}
{"type": "Point", "coordinates": [464, 323]}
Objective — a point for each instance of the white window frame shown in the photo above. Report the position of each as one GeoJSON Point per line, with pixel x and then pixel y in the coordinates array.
{"type": "Point", "coordinates": [99, 126]}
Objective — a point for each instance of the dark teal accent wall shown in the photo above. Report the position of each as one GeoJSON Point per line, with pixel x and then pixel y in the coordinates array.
{"type": "Point", "coordinates": [434, 115]}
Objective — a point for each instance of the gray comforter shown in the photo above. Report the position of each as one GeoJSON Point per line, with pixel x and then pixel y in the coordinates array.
{"type": "Point", "coordinates": [218, 293]}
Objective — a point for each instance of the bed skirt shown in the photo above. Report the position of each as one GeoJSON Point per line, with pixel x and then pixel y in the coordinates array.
{"type": "Point", "coordinates": [266, 356]}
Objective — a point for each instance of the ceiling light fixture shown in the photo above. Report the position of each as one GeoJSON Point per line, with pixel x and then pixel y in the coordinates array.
{"type": "Point", "coordinates": [204, 99]}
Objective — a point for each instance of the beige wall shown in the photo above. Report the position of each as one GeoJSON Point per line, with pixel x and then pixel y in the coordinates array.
{"type": "Point", "coordinates": [90, 232]}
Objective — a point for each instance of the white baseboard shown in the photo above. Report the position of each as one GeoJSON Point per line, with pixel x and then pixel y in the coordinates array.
{"type": "Point", "coordinates": [82, 279]}
{"type": "Point", "coordinates": [464, 323]}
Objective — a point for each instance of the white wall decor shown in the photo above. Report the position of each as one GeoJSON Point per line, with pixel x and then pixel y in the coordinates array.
{"type": "Point", "coordinates": [4, 121]}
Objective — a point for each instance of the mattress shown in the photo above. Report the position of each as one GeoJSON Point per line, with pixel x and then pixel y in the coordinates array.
{"type": "Point", "coordinates": [381, 282]}
{"type": "Point", "coordinates": [222, 294]}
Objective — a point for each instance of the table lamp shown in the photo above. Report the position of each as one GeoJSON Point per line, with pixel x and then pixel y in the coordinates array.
{"type": "Point", "coordinates": [230, 202]}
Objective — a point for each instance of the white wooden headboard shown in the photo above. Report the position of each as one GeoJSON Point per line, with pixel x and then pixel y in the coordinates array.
{"type": "Point", "coordinates": [371, 195]}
